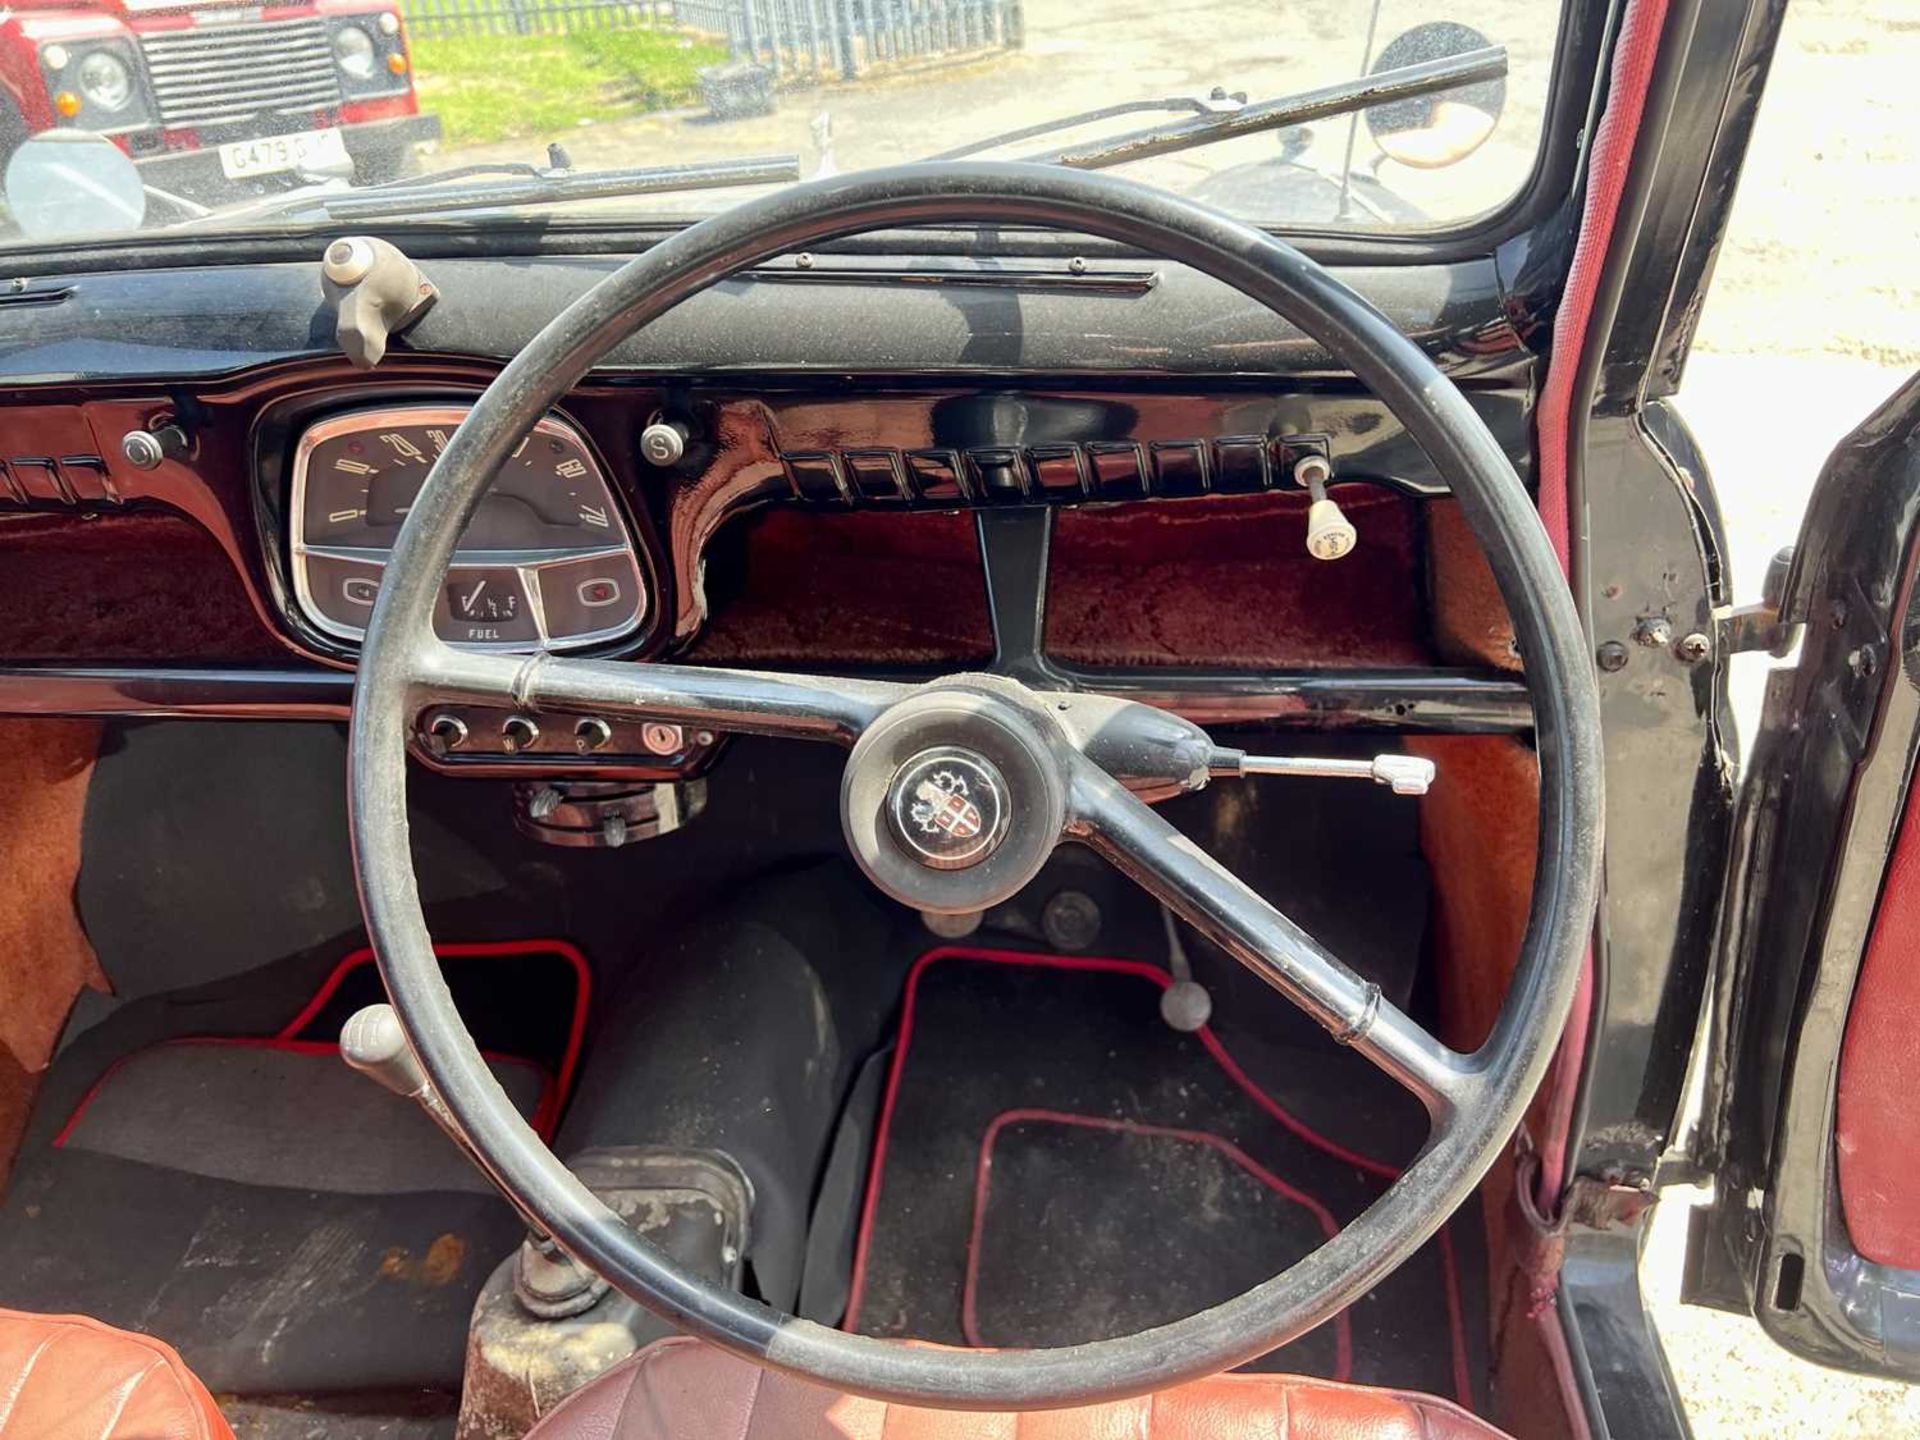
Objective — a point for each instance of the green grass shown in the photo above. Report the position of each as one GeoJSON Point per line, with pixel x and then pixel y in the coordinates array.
{"type": "Point", "coordinates": [542, 87]}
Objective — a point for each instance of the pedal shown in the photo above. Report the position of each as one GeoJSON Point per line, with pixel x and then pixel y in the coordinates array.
{"type": "Point", "coordinates": [1185, 1005]}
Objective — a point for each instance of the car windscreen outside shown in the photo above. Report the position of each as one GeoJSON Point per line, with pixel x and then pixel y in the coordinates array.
{"type": "Point", "coordinates": [232, 116]}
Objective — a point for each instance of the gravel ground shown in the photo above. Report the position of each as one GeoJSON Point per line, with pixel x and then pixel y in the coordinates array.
{"type": "Point", "coordinates": [1815, 298]}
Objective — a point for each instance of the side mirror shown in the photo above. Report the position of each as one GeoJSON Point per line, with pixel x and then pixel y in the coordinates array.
{"type": "Point", "coordinates": [1432, 131]}
{"type": "Point", "coordinates": [69, 182]}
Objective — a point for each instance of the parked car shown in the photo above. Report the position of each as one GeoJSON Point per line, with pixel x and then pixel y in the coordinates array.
{"type": "Point", "coordinates": [219, 100]}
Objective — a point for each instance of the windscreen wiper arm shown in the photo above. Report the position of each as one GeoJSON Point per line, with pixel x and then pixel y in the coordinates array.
{"type": "Point", "coordinates": [476, 187]}
{"type": "Point", "coordinates": [1221, 118]}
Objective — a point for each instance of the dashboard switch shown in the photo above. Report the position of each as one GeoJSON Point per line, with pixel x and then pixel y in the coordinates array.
{"type": "Point", "coordinates": [519, 733]}
{"type": "Point", "coordinates": [591, 734]}
{"type": "Point", "coordinates": [145, 449]}
{"type": "Point", "coordinates": [447, 732]}
{"type": "Point", "coordinates": [663, 443]}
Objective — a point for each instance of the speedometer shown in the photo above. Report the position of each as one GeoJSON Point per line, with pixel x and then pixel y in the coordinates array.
{"type": "Point", "coordinates": [546, 560]}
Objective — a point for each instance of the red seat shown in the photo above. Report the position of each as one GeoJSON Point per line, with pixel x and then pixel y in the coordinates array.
{"type": "Point", "coordinates": [65, 1377]}
{"type": "Point", "coordinates": [680, 1389]}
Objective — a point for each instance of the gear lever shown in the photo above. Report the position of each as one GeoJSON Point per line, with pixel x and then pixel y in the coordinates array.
{"type": "Point", "coordinates": [547, 1281]}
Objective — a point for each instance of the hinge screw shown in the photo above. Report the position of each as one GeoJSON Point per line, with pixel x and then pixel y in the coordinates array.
{"type": "Point", "coordinates": [1654, 632]}
{"type": "Point", "coordinates": [1693, 648]}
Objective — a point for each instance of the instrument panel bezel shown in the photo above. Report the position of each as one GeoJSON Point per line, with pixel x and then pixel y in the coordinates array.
{"type": "Point", "coordinates": [622, 542]}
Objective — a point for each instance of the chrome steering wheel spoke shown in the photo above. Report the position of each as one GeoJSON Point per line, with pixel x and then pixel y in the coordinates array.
{"type": "Point", "coordinates": [1167, 864]}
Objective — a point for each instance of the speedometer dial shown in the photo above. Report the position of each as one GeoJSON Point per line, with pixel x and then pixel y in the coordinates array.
{"type": "Point", "coordinates": [545, 561]}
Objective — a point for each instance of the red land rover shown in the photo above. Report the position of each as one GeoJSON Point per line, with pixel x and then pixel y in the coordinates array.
{"type": "Point", "coordinates": [219, 99]}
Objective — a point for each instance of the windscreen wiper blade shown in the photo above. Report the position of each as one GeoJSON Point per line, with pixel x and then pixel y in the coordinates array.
{"type": "Point", "coordinates": [478, 187]}
{"type": "Point", "coordinates": [1220, 117]}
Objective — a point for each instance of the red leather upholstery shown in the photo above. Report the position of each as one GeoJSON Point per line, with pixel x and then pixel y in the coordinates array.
{"type": "Point", "coordinates": [1877, 1116]}
{"type": "Point", "coordinates": [65, 1377]}
{"type": "Point", "coordinates": [681, 1389]}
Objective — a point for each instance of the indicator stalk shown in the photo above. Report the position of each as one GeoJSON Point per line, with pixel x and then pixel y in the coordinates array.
{"type": "Point", "coordinates": [1404, 774]}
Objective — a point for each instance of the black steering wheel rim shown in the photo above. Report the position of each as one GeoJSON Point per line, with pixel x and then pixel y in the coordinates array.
{"type": "Point", "coordinates": [1506, 1070]}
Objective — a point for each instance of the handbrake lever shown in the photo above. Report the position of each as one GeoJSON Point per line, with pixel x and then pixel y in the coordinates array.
{"type": "Point", "coordinates": [1404, 774]}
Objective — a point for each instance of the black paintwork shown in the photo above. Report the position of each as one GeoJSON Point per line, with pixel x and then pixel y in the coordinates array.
{"type": "Point", "coordinates": [1653, 550]}
{"type": "Point", "coordinates": [1614, 1345]}
{"type": "Point", "coordinates": [1818, 819]}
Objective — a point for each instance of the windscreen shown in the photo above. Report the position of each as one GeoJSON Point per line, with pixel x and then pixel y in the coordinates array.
{"type": "Point", "coordinates": [1299, 114]}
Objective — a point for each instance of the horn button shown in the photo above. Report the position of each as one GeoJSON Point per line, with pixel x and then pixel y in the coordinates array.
{"type": "Point", "coordinates": [949, 807]}
{"type": "Point", "coordinates": [953, 800]}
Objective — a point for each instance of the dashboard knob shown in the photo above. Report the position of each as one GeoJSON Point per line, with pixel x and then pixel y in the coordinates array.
{"type": "Point", "coordinates": [519, 733]}
{"type": "Point", "coordinates": [663, 443]}
{"type": "Point", "coordinates": [447, 732]}
{"type": "Point", "coordinates": [1330, 535]}
{"type": "Point", "coordinates": [145, 449]}
{"type": "Point", "coordinates": [591, 733]}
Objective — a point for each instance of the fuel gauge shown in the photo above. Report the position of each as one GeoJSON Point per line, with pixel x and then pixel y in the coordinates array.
{"type": "Point", "coordinates": [486, 605]}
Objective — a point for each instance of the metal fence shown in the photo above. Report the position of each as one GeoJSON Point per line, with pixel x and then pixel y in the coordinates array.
{"type": "Point", "coordinates": [815, 39]}
{"type": "Point", "coordinates": [438, 19]}
{"type": "Point", "coordinates": [797, 40]}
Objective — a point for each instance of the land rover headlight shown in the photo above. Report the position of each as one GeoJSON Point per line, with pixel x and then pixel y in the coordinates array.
{"type": "Point", "coordinates": [105, 80]}
{"type": "Point", "coordinates": [353, 51]}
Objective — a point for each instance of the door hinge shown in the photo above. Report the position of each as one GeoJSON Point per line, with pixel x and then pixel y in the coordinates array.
{"type": "Point", "coordinates": [1743, 629]}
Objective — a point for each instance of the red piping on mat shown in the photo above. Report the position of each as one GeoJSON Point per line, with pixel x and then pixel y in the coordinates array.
{"type": "Point", "coordinates": [1462, 1371]}
{"type": "Point", "coordinates": [983, 1178]}
{"type": "Point", "coordinates": [270, 1042]}
{"type": "Point", "coordinates": [553, 1090]}
{"type": "Point", "coordinates": [1612, 157]}
{"type": "Point", "coordinates": [544, 1120]}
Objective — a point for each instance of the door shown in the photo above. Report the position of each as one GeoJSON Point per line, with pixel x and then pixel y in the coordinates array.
{"type": "Point", "coordinates": [1811, 1118]}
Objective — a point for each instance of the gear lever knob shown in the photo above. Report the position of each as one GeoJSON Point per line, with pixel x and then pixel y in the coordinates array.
{"type": "Point", "coordinates": [373, 1042]}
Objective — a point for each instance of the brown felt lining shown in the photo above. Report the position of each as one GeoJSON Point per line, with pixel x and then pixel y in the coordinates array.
{"type": "Point", "coordinates": [1227, 580]}
{"type": "Point", "coordinates": [147, 585]}
{"type": "Point", "coordinates": [45, 959]}
{"type": "Point", "coordinates": [1478, 829]}
{"type": "Point", "coordinates": [1470, 621]}
{"type": "Point", "coordinates": [868, 588]}
{"type": "Point", "coordinates": [1221, 580]}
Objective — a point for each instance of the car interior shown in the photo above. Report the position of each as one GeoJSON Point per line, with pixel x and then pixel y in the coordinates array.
{"type": "Point", "coordinates": [964, 787]}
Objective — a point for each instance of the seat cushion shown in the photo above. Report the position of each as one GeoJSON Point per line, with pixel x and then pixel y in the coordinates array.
{"type": "Point", "coordinates": [682, 1389]}
{"type": "Point", "coordinates": [65, 1377]}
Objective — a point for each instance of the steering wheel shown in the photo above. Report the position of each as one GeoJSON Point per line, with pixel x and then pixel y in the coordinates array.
{"type": "Point", "coordinates": [1044, 766]}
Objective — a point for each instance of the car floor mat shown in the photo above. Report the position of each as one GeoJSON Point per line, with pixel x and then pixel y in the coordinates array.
{"type": "Point", "coordinates": [1054, 1164]}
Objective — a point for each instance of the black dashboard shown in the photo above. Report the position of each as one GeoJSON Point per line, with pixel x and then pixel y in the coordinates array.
{"type": "Point", "coordinates": [904, 463]}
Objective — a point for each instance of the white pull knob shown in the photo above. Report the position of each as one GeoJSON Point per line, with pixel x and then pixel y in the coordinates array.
{"type": "Point", "coordinates": [1330, 534]}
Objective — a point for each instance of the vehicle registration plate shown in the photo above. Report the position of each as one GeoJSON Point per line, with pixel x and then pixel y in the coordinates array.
{"type": "Point", "coordinates": [308, 149]}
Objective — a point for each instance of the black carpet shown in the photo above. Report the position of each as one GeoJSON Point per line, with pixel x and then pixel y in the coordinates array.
{"type": "Point", "coordinates": [1059, 1166]}
{"type": "Point", "coordinates": [204, 1167]}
